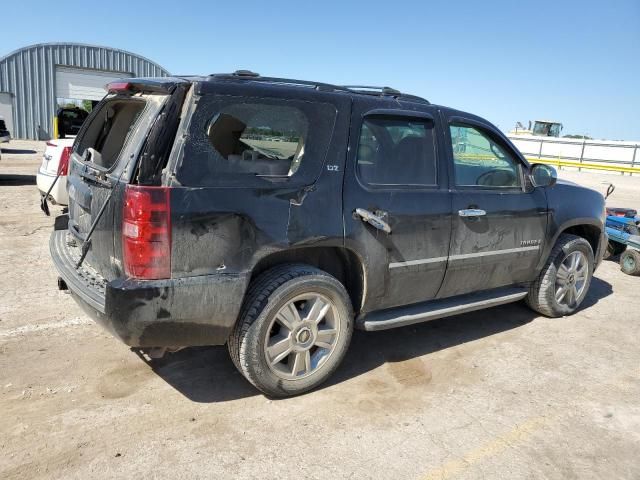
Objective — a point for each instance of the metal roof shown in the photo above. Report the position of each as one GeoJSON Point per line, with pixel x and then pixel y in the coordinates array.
{"type": "Point", "coordinates": [28, 74]}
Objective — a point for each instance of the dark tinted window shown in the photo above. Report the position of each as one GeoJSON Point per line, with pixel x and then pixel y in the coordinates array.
{"type": "Point", "coordinates": [70, 120]}
{"type": "Point", "coordinates": [236, 140]}
{"type": "Point", "coordinates": [397, 151]}
{"type": "Point", "coordinates": [480, 161]}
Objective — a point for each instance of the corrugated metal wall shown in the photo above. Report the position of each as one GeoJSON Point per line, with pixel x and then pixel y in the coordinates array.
{"type": "Point", "coordinates": [29, 75]}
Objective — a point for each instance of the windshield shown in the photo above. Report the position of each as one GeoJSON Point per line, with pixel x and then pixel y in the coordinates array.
{"type": "Point", "coordinates": [547, 129]}
{"type": "Point", "coordinates": [554, 130]}
{"type": "Point", "coordinates": [541, 128]}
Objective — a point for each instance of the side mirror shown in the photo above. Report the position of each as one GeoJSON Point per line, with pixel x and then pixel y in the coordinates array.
{"type": "Point", "coordinates": [543, 175]}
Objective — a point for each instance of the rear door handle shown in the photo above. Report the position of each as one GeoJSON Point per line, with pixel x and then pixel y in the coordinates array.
{"type": "Point", "coordinates": [373, 220]}
{"type": "Point", "coordinates": [471, 212]}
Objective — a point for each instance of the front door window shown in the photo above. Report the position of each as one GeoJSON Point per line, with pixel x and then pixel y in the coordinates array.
{"type": "Point", "coordinates": [481, 162]}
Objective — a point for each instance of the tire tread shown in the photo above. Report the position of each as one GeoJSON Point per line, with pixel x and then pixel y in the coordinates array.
{"type": "Point", "coordinates": [258, 296]}
{"type": "Point", "coordinates": [538, 296]}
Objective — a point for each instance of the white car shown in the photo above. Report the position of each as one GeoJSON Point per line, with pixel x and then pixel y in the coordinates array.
{"type": "Point", "coordinates": [55, 161]}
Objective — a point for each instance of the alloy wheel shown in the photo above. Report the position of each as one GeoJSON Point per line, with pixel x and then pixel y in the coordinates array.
{"type": "Point", "coordinates": [571, 279]}
{"type": "Point", "coordinates": [302, 336]}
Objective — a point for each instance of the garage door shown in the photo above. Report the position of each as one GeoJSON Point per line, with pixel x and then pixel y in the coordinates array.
{"type": "Point", "coordinates": [80, 84]}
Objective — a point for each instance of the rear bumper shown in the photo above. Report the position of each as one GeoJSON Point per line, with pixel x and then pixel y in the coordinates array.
{"type": "Point", "coordinates": [178, 312]}
{"type": "Point", "coordinates": [58, 193]}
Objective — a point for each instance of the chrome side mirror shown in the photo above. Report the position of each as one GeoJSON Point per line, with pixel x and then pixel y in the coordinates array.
{"type": "Point", "coordinates": [543, 175]}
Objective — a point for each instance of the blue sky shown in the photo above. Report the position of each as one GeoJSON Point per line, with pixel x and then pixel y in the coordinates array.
{"type": "Point", "coordinates": [573, 61]}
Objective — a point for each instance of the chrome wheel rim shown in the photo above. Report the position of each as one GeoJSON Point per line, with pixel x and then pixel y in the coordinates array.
{"type": "Point", "coordinates": [302, 336]}
{"type": "Point", "coordinates": [571, 279]}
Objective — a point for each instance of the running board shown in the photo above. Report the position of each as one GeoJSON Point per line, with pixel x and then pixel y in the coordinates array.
{"type": "Point", "coordinates": [434, 309]}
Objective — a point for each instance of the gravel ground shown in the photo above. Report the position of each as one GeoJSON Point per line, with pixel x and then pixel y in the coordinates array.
{"type": "Point", "coordinates": [501, 393]}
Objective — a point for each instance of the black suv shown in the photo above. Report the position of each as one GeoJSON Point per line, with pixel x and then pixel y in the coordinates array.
{"type": "Point", "coordinates": [70, 120]}
{"type": "Point", "coordinates": [5, 136]}
{"type": "Point", "coordinates": [276, 215]}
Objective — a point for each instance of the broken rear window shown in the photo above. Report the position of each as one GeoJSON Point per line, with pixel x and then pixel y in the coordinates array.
{"type": "Point", "coordinates": [239, 140]}
{"type": "Point", "coordinates": [109, 130]}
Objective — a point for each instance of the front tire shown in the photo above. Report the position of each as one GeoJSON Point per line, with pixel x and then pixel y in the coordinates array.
{"type": "Point", "coordinates": [293, 331]}
{"type": "Point", "coordinates": [564, 281]}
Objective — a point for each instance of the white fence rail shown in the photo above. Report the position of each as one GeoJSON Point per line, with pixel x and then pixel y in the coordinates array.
{"type": "Point", "coordinates": [612, 153]}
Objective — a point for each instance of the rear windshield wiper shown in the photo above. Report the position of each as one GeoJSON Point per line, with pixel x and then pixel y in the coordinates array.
{"type": "Point", "coordinates": [87, 239]}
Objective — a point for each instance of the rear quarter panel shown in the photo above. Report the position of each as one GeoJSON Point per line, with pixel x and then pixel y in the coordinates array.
{"type": "Point", "coordinates": [229, 229]}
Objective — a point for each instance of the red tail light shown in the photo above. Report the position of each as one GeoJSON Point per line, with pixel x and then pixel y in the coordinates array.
{"type": "Point", "coordinates": [63, 166]}
{"type": "Point", "coordinates": [146, 232]}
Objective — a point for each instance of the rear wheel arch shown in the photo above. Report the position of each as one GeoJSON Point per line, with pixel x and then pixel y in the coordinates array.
{"type": "Point", "coordinates": [343, 264]}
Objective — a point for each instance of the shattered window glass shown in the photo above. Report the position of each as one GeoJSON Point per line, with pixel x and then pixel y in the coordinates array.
{"type": "Point", "coordinates": [250, 140]}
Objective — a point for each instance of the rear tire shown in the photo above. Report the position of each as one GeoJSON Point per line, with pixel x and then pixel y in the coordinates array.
{"type": "Point", "coordinates": [630, 262]}
{"type": "Point", "coordinates": [570, 265]}
{"type": "Point", "coordinates": [293, 331]}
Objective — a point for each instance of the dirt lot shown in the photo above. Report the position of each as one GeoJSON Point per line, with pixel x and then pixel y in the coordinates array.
{"type": "Point", "coordinates": [501, 393]}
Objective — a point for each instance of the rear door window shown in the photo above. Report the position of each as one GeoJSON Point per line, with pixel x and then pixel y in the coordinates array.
{"type": "Point", "coordinates": [397, 151]}
{"type": "Point", "coordinates": [249, 141]}
{"type": "Point", "coordinates": [109, 129]}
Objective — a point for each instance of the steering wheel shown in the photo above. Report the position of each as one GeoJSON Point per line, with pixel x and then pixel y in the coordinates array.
{"type": "Point", "coordinates": [497, 178]}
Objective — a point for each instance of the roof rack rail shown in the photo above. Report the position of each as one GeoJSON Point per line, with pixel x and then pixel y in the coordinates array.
{"type": "Point", "coordinates": [369, 90]}
{"type": "Point", "coordinates": [362, 89]}
{"type": "Point", "coordinates": [249, 75]}
{"type": "Point", "coordinates": [383, 90]}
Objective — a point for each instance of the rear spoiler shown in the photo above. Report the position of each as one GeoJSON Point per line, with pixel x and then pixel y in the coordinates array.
{"type": "Point", "coordinates": [152, 85]}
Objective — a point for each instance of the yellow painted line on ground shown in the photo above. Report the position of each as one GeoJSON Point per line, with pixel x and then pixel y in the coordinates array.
{"type": "Point", "coordinates": [558, 162]}
{"type": "Point", "coordinates": [590, 165]}
{"type": "Point", "coordinates": [501, 443]}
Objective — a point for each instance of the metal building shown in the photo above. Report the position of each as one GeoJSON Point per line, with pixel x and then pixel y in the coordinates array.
{"type": "Point", "coordinates": [34, 77]}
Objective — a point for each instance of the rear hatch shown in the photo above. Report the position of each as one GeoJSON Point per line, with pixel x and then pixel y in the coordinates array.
{"type": "Point", "coordinates": [104, 160]}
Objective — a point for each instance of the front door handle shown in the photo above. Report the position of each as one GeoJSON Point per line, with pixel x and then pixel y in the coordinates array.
{"type": "Point", "coordinates": [373, 220]}
{"type": "Point", "coordinates": [471, 212]}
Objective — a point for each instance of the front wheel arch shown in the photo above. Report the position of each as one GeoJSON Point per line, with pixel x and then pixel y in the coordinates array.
{"type": "Point", "coordinates": [588, 229]}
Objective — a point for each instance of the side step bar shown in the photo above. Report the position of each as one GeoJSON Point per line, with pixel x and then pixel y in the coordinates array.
{"type": "Point", "coordinates": [434, 309]}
